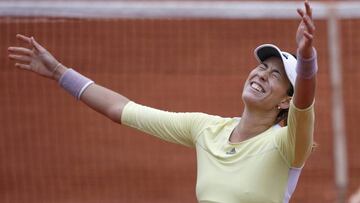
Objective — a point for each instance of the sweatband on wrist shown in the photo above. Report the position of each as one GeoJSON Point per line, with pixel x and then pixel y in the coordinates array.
{"type": "Point", "coordinates": [307, 68]}
{"type": "Point", "coordinates": [74, 83]}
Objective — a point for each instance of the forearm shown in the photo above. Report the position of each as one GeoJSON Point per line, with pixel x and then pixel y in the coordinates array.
{"type": "Point", "coordinates": [305, 86]}
{"type": "Point", "coordinates": [304, 92]}
{"type": "Point", "coordinates": [101, 99]}
{"type": "Point", "coordinates": [104, 101]}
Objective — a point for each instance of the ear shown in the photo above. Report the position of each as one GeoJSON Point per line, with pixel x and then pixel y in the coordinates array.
{"type": "Point", "coordinates": [285, 103]}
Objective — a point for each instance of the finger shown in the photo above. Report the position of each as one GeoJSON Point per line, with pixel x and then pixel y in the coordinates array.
{"type": "Point", "coordinates": [36, 45]}
{"type": "Point", "coordinates": [300, 12]}
{"type": "Point", "coordinates": [308, 9]}
{"type": "Point", "coordinates": [23, 38]}
{"type": "Point", "coordinates": [309, 24]}
{"type": "Point", "coordinates": [20, 50]}
{"type": "Point", "coordinates": [23, 66]}
{"type": "Point", "coordinates": [308, 36]}
{"type": "Point", "coordinates": [309, 39]}
{"type": "Point", "coordinates": [20, 58]}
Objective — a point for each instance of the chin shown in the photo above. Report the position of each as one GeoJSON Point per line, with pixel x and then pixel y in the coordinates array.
{"type": "Point", "coordinates": [250, 99]}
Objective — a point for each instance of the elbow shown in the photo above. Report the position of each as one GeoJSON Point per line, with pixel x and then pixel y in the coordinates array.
{"type": "Point", "coordinates": [114, 113]}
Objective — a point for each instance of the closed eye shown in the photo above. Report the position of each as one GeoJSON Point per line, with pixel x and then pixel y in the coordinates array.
{"type": "Point", "coordinates": [276, 74]}
{"type": "Point", "coordinates": [263, 66]}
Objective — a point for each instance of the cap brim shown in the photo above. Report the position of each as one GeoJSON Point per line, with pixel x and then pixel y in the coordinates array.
{"type": "Point", "coordinates": [265, 51]}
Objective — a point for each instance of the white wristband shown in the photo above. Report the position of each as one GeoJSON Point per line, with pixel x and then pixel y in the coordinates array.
{"type": "Point", "coordinates": [74, 83]}
{"type": "Point", "coordinates": [307, 68]}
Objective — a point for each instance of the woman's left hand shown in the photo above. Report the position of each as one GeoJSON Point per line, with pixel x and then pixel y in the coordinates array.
{"type": "Point", "coordinates": [305, 32]}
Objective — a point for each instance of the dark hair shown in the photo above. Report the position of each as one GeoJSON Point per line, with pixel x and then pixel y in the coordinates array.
{"type": "Point", "coordinates": [283, 114]}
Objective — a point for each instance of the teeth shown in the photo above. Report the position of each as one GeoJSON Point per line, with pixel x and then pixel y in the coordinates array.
{"type": "Point", "coordinates": [257, 87]}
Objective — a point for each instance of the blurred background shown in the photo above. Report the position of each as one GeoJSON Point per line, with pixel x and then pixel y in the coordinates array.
{"type": "Point", "coordinates": [172, 55]}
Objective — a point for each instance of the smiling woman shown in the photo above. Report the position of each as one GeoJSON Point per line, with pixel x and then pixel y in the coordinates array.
{"type": "Point", "coordinates": [247, 159]}
{"type": "Point", "coordinates": [270, 80]}
{"type": "Point", "coordinates": [282, 71]}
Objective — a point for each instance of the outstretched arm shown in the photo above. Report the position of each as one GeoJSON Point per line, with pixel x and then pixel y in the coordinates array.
{"type": "Point", "coordinates": [305, 86]}
{"type": "Point", "coordinates": [35, 58]}
{"type": "Point", "coordinates": [301, 118]}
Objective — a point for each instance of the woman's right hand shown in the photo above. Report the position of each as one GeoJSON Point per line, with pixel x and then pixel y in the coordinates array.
{"type": "Point", "coordinates": [35, 58]}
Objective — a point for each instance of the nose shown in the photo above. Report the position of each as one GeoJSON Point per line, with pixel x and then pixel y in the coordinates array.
{"type": "Point", "coordinates": [263, 75]}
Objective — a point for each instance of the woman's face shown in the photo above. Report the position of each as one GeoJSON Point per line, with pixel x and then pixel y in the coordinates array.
{"type": "Point", "coordinates": [267, 85]}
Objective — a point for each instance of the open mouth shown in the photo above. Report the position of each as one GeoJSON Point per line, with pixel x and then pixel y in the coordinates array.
{"type": "Point", "coordinates": [257, 87]}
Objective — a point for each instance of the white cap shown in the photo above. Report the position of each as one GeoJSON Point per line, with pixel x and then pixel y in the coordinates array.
{"type": "Point", "coordinates": [265, 51]}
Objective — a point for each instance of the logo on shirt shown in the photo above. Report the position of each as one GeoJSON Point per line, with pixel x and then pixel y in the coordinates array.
{"type": "Point", "coordinates": [232, 151]}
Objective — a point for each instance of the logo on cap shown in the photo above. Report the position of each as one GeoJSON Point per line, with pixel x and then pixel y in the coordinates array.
{"type": "Point", "coordinates": [285, 55]}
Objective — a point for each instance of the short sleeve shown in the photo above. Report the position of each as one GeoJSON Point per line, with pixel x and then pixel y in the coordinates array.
{"type": "Point", "coordinates": [295, 141]}
{"type": "Point", "coordinates": [179, 128]}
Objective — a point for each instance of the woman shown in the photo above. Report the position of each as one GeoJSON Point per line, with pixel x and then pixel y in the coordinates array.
{"type": "Point", "coordinates": [247, 159]}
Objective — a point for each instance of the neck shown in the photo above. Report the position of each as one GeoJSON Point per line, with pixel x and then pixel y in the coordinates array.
{"type": "Point", "coordinates": [251, 124]}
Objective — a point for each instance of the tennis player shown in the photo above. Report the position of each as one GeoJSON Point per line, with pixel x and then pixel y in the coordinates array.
{"type": "Point", "coordinates": [247, 159]}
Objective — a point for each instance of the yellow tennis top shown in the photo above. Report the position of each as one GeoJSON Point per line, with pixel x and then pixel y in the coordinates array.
{"type": "Point", "coordinates": [264, 168]}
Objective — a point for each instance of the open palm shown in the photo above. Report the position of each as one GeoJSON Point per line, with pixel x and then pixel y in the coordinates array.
{"type": "Point", "coordinates": [33, 57]}
{"type": "Point", "coordinates": [305, 32]}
